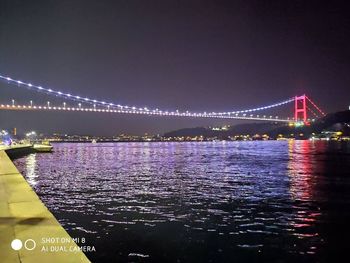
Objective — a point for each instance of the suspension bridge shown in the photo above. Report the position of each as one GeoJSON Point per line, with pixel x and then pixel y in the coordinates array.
{"type": "Point", "coordinates": [303, 106]}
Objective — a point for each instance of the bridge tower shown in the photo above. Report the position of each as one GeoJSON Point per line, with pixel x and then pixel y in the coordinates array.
{"type": "Point", "coordinates": [300, 108]}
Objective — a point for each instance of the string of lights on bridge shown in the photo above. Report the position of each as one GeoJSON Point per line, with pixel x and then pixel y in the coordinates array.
{"type": "Point", "coordinates": [117, 108]}
{"type": "Point", "coordinates": [317, 108]}
{"type": "Point", "coordinates": [83, 109]}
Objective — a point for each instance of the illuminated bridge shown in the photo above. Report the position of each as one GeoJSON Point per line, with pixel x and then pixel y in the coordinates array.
{"type": "Point", "coordinates": [302, 105]}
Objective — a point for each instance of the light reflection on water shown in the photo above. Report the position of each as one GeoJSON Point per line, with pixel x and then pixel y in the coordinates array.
{"type": "Point", "coordinates": [191, 202]}
{"type": "Point", "coordinates": [31, 175]}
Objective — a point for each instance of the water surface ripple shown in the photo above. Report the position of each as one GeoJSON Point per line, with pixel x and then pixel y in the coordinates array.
{"type": "Point", "coordinates": [273, 201]}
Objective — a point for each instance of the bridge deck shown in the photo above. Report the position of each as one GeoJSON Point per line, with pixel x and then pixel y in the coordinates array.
{"type": "Point", "coordinates": [242, 116]}
{"type": "Point", "coordinates": [23, 216]}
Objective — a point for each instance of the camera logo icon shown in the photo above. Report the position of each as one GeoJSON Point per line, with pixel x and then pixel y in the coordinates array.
{"type": "Point", "coordinates": [17, 244]}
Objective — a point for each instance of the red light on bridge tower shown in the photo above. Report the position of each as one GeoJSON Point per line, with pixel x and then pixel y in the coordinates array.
{"type": "Point", "coordinates": [300, 108]}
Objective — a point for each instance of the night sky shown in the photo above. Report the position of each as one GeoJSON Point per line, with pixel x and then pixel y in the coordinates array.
{"type": "Point", "coordinates": [195, 55]}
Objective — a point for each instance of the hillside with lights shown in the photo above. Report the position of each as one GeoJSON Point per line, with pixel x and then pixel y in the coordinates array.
{"type": "Point", "coordinates": [333, 124]}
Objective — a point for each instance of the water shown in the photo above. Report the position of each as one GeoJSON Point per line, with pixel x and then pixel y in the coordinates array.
{"type": "Point", "coordinates": [266, 201]}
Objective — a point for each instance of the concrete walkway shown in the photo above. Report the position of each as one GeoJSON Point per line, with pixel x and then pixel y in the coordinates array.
{"type": "Point", "coordinates": [23, 216]}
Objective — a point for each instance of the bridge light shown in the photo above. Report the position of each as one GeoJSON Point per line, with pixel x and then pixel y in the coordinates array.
{"type": "Point", "coordinates": [13, 102]}
{"type": "Point", "coordinates": [145, 110]}
{"type": "Point", "coordinates": [64, 105]}
{"type": "Point", "coordinates": [48, 104]}
{"type": "Point", "coordinates": [79, 104]}
{"type": "Point", "coordinates": [31, 103]}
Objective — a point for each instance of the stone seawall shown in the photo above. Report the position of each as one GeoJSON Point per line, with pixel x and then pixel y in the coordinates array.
{"type": "Point", "coordinates": [24, 218]}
